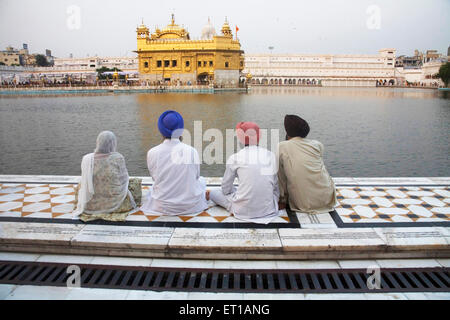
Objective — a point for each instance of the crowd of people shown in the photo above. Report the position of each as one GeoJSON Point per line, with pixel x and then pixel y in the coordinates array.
{"type": "Point", "coordinates": [64, 83]}
{"type": "Point", "coordinates": [295, 177]}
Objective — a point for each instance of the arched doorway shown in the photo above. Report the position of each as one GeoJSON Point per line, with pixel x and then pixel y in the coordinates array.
{"type": "Point", "coordinates": [202, 78]}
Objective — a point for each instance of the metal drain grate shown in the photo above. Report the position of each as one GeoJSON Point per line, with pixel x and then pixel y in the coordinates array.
{"type": "Point", "coordinates": [220, 280]}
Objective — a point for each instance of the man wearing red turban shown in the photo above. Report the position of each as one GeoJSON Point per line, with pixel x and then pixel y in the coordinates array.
{"type": "Point", "coordinates": [248, 133]}
{"type": "Point", "coordinates": [256, 197]}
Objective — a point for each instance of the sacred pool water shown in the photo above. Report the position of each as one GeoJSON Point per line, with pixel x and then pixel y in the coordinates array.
{"type": "Point", "coordinates": [366, 132]}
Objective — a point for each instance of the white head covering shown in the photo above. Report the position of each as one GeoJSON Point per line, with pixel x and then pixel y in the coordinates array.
{"type": "Point", "coordinates": [106, 144]}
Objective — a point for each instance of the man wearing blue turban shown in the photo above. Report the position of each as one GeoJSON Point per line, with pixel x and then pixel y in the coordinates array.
{"type": "Point", "coordinates": [175, 168]}
{"type": "Point", "coordinates": [170, 124]}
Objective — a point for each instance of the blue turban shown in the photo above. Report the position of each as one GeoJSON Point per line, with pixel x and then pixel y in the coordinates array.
{"type": "Point", "coordinates": [168, 122]}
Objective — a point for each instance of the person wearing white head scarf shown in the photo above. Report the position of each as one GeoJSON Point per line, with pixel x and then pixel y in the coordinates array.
{"type": "Point", "coordinates": [104, 186]}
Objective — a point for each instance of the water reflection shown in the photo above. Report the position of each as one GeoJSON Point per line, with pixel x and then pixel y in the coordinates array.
{"type": "Point", "coordinates": [365, 131]}
{"type": "Point", "coordinates": [349, 92]}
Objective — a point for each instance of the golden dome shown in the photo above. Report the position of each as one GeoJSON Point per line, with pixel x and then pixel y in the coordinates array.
{"type": "Point", "coordinates": [172, 31]}
{"type": "Point", "coordinates": [142, 26]}
{"type": "Point", "coordinates": [226, 30]}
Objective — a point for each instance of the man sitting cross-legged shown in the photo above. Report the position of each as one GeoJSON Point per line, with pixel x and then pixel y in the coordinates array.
{"type": "Point", "coordinates": [178, 188]}
{"type": "Point", "coordinates": [256, 197]}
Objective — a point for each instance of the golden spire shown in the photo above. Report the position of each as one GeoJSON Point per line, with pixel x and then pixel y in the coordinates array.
{"type": "Point", "coordinates": [173, 19]}
{"type": "Point", "coordinates": [226, 30]}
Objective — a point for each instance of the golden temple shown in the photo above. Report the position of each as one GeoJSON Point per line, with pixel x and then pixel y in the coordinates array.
{"type": "Point", "coordinates": [170, 56]}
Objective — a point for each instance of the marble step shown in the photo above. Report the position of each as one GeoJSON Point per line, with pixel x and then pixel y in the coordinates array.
{"type": "Point", "coordinates": [225, 243]}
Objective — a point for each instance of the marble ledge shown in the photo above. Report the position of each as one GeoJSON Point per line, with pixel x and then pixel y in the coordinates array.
{"type": "Point", "coordinates": [402, 181]}
{"type": "Point", "coordinates": [227, 243]}
{"type": "Point", "coordinates": [331, 240]}
{"type": "Point", "coordinates": [415, 238]}
{"type": "Point", "coordinates": [123, 237]}
{"type": "Point", "coordinates": [38, 233]}
{"type": "Point", "coordinates": [215, 181]}
{"type": "Point", "coordinates": [225, 239]}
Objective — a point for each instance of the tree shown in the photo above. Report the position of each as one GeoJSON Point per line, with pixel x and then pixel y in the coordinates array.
{"type": "Point", "coordinates": [444, 73]}
{"type": "Point", "coordinates": [109, 76]}
{"type": "Point", "coordinates": [41, 60]}
{"type": "Point", "coordinates": [2, 63]}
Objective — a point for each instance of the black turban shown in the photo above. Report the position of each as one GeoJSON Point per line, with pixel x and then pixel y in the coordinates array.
{"type": "Point", "coordinates": [295, 126]}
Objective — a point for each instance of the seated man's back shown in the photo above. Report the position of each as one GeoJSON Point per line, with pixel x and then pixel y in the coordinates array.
{"type": "Point", "coordinates": [175, 168]}
{"type": "Point", "coordinates": [256, 197]}
{"type": "Point", "coordinates": [304, 181]}
{"type": "Point", "coordinates": [257, 193]}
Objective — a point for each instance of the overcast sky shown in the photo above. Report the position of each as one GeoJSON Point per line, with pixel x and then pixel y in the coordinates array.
{"type": "Point", "coordinates": [108, 27]}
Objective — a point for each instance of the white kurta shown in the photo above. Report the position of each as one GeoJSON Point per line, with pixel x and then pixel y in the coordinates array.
{"type": "Point", "coordinates": [178, 188]}
{"type": "Point", "coordinates": [257, 193]}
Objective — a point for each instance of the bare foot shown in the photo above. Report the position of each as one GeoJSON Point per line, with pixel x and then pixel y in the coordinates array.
{"type": "Point", "coordinates": [207, 195]}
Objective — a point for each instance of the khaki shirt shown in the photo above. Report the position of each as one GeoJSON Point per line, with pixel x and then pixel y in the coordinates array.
{"type": "Point", "coordinates": [303, 179]}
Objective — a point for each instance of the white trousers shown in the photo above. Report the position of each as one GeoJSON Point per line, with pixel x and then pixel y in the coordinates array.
{"type": "Point", "coordinates": [221, 199]}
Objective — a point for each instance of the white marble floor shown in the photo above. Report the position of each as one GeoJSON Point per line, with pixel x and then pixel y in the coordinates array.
{"type": "Point", "coordinates": [12, 292]}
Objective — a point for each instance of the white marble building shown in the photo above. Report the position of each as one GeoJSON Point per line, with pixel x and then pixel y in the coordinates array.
{"type": "Point", "coordinates": [92, 63]}
{"type": "Point", "coordinates": [323, 69]}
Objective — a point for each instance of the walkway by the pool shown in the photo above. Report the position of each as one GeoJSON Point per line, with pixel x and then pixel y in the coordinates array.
{"type": "Point", "coordinates": [375, 218]}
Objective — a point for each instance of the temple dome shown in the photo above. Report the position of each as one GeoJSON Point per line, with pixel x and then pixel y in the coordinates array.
{"type": "Point", "coordinates": [172, 31]}
{"type": "Point", "coordinates": [208, 31]}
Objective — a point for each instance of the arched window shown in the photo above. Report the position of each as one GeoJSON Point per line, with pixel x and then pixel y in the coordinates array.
{"type": "Point", "coordinates": [227, 64]}
{"type": "Point", "coordinates": [145, 64]}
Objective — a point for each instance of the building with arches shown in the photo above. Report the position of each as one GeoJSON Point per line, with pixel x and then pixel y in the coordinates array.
{"type": "Point", "coordinates": [169, 55]}
{"type": "Point", "coordinates": [348, 70]}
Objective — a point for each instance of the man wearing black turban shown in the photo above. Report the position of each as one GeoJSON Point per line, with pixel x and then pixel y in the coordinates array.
{"type": "Point", "coordinates": [305, 183]}
{"type": "Point", "coordinates": [295, 126]}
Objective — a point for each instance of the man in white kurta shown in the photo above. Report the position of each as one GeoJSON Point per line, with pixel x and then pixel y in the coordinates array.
{"type": "Point", "coordinates": [174, 166]}
{"type": "Point", "coordinates": [256, 197]}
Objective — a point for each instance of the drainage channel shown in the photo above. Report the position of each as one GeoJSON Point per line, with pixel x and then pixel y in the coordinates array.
{"type": "Point", "coordinates": [223, 280]}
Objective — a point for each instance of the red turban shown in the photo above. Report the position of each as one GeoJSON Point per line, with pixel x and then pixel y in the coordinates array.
{"type": "Point", "coordinates": [248, 133]}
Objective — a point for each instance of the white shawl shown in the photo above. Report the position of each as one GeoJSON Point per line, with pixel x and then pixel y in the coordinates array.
{"type": "Point", "coordinates": [86, 184]}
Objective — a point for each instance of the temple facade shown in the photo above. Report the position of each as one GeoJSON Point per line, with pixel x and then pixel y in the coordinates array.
{"type": "Point", "coordinates": [169, 55]}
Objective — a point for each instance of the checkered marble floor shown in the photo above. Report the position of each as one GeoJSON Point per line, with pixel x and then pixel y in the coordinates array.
{"type": "Point", "coordinates": [57, 201]}
{"type": "Point", "coordinates": [357, 205]}
{"type": "Point", "coordinates": [393, 204]}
